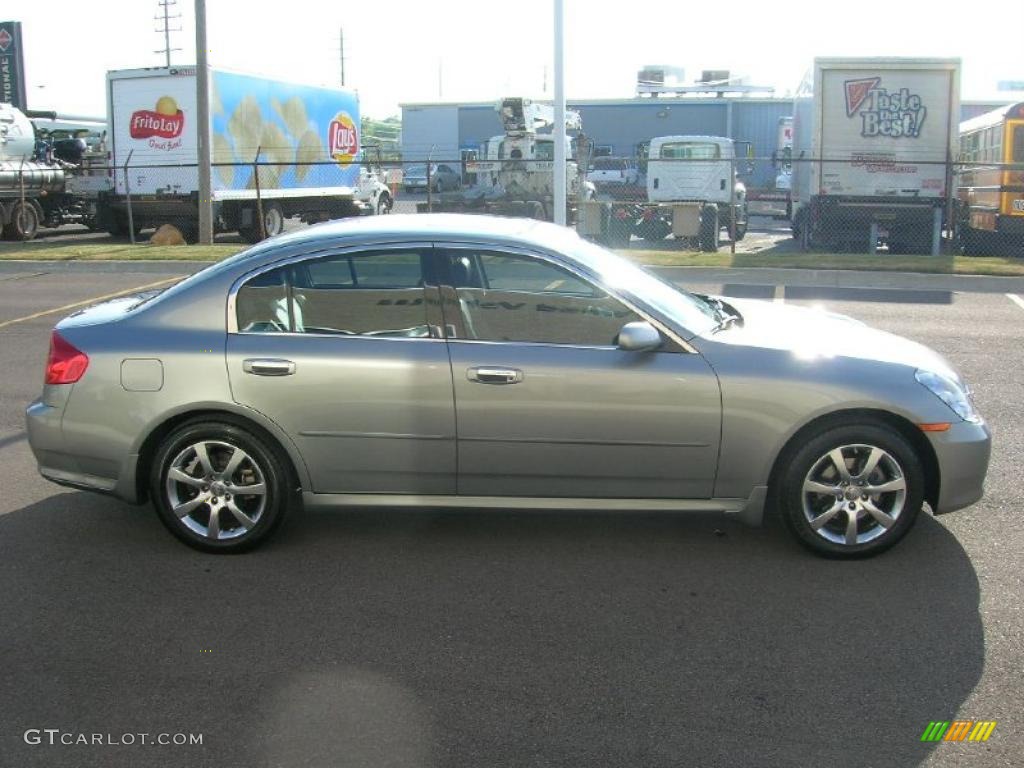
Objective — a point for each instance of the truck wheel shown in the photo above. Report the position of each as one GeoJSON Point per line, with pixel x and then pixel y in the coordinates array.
{"type": "Point", "coordinates": [118, 226]}
{"type": "Point", "coordinates": [273, 219]}
{"type": "Point", "coordinates": [384, 204]}
{"type": "Point", "coordinates": [24, 222]}
{"type": "Point", "coordinates": [740, 227]}
{"type": "Point", "coordinates": [709, 229]}
{"type": "Point", "coordinates": [655, 230]}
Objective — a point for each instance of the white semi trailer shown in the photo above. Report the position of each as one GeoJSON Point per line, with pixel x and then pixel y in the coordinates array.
{"type": "Point", "coordinates": [873, 139]}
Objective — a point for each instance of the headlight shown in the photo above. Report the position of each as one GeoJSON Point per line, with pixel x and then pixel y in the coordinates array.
{"type": "Point", "coordinates": [949, 392]}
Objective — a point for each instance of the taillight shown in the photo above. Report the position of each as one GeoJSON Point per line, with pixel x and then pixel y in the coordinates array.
{"type": "Point", "coordinates": [65, 364]}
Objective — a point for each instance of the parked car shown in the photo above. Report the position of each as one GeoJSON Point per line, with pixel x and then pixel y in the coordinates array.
{"type": "Point", "coordinates": [613, 171]}
{"type": "Point", "coordinates": [442, 178]}
{"type": "Point", "coordinates": [474, 361]}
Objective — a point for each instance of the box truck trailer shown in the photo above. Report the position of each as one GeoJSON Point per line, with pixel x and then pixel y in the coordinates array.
{"type": "Point", "coordinates": [872, 146]}
{"type": "Point", "coordinates": [307, 138]}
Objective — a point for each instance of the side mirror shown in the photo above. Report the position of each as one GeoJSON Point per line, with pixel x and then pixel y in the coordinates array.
{"type": "Point", "coordinates": [639, 337]}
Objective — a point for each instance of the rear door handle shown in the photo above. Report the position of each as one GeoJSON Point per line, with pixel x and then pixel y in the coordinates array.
{"type": "Point", "coordinates": [268, 367]}
{"type": "Point", "coordinates": [485, 375]}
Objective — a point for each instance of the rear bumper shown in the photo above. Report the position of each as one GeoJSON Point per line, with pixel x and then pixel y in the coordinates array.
{"type": "Point", "coordinates": [963, 454]}
{"type": "Point", "coordinates": [46, 439]}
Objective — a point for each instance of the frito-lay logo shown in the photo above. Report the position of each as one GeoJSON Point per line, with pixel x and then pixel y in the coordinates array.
{"type": "Point", "coordinates": [882, 112]}
{"type": "Point", "coordinates": [343, 139]}
{"type": "Point", "coordinates": [165, 122]}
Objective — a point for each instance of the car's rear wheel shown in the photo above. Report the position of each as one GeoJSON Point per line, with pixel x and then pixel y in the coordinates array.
{"type": "Point", "coordinates": [218, 487]}
{"type": "Point", "coordinates": [853, 491]}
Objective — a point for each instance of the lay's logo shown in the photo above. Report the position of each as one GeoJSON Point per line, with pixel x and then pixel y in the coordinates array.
{"type": "Point", "coordinates": [342, 139]}
{"type": "Point", "coordinates": [165, 122]}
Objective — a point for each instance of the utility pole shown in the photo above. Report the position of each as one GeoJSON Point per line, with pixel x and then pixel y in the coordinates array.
{"type": "Point", "coordinates": [559, 74]}
{"type": "Point", "coordinates": [341, 48]}
{"type": "Point", "coordinates": [166, 20]}
{"type": "Point", "coordinates": [203, 126]}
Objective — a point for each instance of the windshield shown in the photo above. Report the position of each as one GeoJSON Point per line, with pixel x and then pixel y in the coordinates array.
{"type": "Point", "coordinates": [416, 170]}
{"type": "Point", "coordinates": [685, 309]}
{"type": "Point", "coordinates": [609, 165]}
{"type": "Point", "coordinates": [691, 150]}
{"type": "Point", "coordinates": [1018, 144]}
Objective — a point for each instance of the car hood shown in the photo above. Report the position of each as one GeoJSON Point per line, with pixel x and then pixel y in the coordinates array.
{"type": "Point", "coordinates": [814, 333]}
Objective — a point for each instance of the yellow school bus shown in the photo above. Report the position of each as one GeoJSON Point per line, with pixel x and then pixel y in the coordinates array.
{"type": "Point", "coordinates": [990, 183]}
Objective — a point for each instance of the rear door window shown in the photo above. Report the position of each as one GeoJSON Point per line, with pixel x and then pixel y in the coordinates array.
{"type": "Point", "coordinates": [373, 293]}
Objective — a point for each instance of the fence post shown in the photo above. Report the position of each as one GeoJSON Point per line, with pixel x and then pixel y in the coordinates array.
{"type": "Point", "coordinates": [732, 204]}
{"type": "Point", "coordinates": [430, 195]}
{"type": "Point", "coordinates": [259, 194]}
{"type": "Point", "coordinates": [21, 201]}
{"type": "Point", "coordinates": [128, 198]}
{"type": "Point", "coordinates": [873, 238]}
{"type": "Point", "coordinates": [936, 230]}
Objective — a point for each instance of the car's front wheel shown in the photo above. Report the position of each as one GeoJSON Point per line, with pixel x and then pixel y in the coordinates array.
{"type": "Point", "coordinates": [853, 491]}
{"type": "Point", "coordinates": [218, 487]}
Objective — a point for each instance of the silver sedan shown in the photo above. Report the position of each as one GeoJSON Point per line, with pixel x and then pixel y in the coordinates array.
{"type": "Point", "coordinates": [469, 361]}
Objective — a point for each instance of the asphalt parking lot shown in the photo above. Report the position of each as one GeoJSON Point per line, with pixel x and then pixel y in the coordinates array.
{"type": "Point", "coordinates": [484, 639]}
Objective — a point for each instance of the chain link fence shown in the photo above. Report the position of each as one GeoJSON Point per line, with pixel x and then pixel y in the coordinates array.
{"type": "Point", "coordinates": [872, 204]}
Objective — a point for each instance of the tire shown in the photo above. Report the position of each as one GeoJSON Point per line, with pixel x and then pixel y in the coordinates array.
{"type": "Point", "coordinates": [242, 520]}
{"type": "Point", "coordinates": [971, 241]}
{"type": "Point", "coordinates": [655, 230]}
{"type": "Point", "coordinates": [384, 204]}
{"type": "Point", "coordinates": [812, 465]}
{"type": "Point", "coordinates": [24, 224]}
{"type": "Point", "coordinates": [709, 229]}
{"type": "Point", "coordinates": [273, 219]}
{"type": "Point", "coordinates": [273, 224]}
{"type": "Point", "coordinates": [740, 230]}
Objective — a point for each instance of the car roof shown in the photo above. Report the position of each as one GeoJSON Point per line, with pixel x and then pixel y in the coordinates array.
{"type": "Point", "coordinates": [418, 227]}
{"type": "Point", "coordinates": [428, 225]}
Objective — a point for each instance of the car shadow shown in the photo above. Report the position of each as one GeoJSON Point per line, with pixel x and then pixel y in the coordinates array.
{"type": "Point", "coordinates": [480, 638]}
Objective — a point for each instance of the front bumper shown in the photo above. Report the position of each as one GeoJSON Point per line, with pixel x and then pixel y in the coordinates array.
{"type": "Point", "coordinates": [963, 453]}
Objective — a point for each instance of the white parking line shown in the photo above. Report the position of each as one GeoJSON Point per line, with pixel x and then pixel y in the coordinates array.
{"type": "Point", "coordinates": [1016, 299]}
{"type": "Point", "coordinates": [93, 300]}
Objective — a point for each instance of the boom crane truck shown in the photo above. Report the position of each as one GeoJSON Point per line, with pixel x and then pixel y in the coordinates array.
{"type": "Point", "coordinates": [515, 176]}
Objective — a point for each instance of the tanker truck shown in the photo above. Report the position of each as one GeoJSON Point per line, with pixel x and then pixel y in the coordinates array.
{"type": "Point", "coordinates": [41, 186]}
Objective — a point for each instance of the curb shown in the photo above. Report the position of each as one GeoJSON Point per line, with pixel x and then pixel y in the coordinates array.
{"type": "Point", "coordinates": [843, 278]}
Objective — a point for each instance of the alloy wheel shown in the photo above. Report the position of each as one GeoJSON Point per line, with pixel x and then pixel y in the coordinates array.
{"type": "Point", "coordinates": [216, 490]}
{"type": "Point", "coordinates": [854, 494]}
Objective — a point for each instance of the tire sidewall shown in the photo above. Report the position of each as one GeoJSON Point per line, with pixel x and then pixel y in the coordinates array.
{"type": "Point", "coordinates": [800, 461]}
{"type": "Point", "coordinates": [274, 474]}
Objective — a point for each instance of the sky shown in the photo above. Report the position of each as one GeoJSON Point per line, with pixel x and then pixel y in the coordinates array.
{"type": "Point", "coordinates": [460, 50]}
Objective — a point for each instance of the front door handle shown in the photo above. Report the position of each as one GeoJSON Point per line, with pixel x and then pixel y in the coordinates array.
{"type": "Point", "coordinates": [485, 375]}
{"type": "Point", "coordinates": [268, 367]}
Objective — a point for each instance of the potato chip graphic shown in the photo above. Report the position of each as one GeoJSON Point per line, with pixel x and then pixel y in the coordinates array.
{"type": "Point", "coordinates": [216, 105]}
{"type": "Point", "coordinates": [276, 151]}
{"type": "Point", "coordinates": [244, 128]}
{"type": "Point", "coordinates": [222, 154]}
{"type": "Point", "coordinates": [165, 105]}
{"type": "Point", "coordinates": [293, 114]}
{"type": "Point", "coordinates": [309, 150]}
